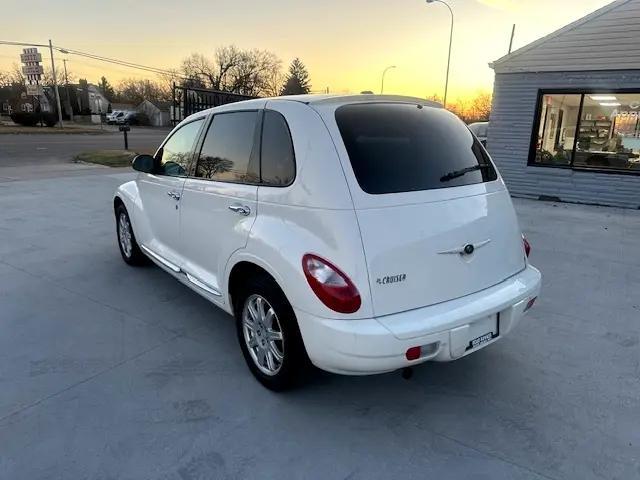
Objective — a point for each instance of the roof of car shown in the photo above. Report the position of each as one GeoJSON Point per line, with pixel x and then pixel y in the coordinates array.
{"type": "Point", "coordinates": [323, 99]}
{"type": "Point", "coordinates": [316, 99]}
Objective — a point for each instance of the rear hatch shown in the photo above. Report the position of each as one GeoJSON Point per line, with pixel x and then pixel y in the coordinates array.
{"type": "Point", "coordinates": [436, 221]}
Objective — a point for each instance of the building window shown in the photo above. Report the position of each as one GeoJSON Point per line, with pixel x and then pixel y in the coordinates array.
{"type": "Point", "coordinates": [598, 131]}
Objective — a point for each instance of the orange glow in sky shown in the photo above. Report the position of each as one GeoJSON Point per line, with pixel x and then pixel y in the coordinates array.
{"type": "Point", "coordinates": [345, 44]}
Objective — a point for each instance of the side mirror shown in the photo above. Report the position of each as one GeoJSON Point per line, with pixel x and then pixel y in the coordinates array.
{"type": "Point", "coordinates": [144, 163]}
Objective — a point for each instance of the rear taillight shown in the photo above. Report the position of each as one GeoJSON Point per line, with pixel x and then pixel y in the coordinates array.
{"type": "Point", "coordinates": [330, 285]}
{"type": "Point", "coordinates": [527, 246]}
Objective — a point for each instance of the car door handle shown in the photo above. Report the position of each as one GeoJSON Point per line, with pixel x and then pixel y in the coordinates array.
{"type": "Point", "coordinates": [241, 209]}
{"type": "Point", "coordinates": [173, 194]}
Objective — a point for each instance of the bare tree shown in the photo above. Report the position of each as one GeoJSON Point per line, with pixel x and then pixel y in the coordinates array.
{"type": "Point", "coordinates": [435, 98]}
{"type": "Point", "coordinates": [47, 77]}
{"type": "Point", "coordinates": [480, 107]}
{"type": "Point", "coordinates": [13, 76]}
{"type": "Point", "coordinates": [474, 109]}
{"type": "Point", "coordinates": [248, 72]}
{"type": "Point", "coordinates": [201, 70]}
{"type": "Point", "coordinates": [135, 90]}
{"type": "Point", "coordinates": [274, 83]}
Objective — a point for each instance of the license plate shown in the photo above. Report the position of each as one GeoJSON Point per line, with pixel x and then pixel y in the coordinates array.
{"type": "Point", "coordinates": [490, 329]}
{"type": "Point", "coordinates": [476, 342]}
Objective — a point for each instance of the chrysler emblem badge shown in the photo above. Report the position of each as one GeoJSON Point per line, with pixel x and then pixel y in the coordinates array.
{"type": "Point", "coordinates": [468, 249]}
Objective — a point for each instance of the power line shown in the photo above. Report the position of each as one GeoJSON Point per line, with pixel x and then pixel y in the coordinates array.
{"type": "Point", "coordinates": [123, 63]}
{"type": "Point", "coordinates": [22, 44]}
{"type": "Point", "coordinates": [115, 61]}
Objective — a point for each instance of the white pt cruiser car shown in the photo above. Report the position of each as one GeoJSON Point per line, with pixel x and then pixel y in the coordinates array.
{"type": "Point", "coordinates": [361, 233]}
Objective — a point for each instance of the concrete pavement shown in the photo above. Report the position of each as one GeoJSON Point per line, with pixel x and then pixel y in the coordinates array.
{"type": "Point", "coordinates": [108, 371]}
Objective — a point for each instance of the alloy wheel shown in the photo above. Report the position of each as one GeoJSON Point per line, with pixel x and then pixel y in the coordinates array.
{"type": "Point", "coordinates": [263, 334]}
{"type": "Point", "coordinates": [125, 235]}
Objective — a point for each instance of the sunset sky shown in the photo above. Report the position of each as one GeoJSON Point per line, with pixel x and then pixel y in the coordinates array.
{"type": "Point", "coordinates": [345, 44]}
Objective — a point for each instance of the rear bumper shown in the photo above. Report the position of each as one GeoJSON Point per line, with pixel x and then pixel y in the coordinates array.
{"type": "Point", "coordinates": [377, 345]}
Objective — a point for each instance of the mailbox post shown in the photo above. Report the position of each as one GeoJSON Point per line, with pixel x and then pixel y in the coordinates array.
{"type": "Point", "coordinates": [124, 129]}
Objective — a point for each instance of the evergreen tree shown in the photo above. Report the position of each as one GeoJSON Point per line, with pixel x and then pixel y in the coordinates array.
{"type": "Point", "coordinates": [106, 89]}
{"type": "Point", "coordinates": [297, 82]}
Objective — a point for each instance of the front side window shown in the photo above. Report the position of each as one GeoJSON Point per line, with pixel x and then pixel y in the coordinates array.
{"type": "Point", "coordinates": [277, 164]}
{"type": "Point", "coordinates": [227, 151]}
{"type": "Point", "coordinates": [175, 154]}
{"type": "Point", "coordinates": [396, 147]}
{"type": "Point", "coordinates": [589, 130]}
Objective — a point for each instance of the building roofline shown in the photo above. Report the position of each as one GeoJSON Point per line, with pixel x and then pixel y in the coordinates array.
{"type": "Point", "coordinates": [596, 13]}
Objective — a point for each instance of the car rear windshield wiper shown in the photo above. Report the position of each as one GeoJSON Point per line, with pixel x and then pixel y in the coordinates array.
{"type": "Point", "coordinates": [462, 171]}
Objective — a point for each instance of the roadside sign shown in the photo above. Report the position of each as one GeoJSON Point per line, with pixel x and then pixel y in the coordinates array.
{"type": "Point", "coordinates": [30, 55]}
{"type": "Point", "coordinates": [34, 90]}
{"type": "Point", "coordinates": [32, 69]}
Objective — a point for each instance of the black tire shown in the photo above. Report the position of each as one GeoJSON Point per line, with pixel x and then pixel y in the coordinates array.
{"type": "Point", "coordinates": [295, 361]}
{"type": "Point", "coordinates": [132, 256]}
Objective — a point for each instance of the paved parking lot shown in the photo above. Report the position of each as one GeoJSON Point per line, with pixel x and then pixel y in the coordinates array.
{"type": "Point", "coordinates": [110, 372]}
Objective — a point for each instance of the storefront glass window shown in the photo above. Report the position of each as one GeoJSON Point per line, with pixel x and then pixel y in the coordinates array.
{"type": "Point", "coordinates": [607, 131]}
{"type": "Point", "coordinates": [557, 129]}
{"type": "Point", "coordinates": [609, 135]}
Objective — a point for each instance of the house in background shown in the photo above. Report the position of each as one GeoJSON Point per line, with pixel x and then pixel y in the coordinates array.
{"type": "Point", "coordinates": [565, 120]}
{"type": "Point", "coordinates": [158, 113]}
{"type": "Point", "coordinates": [128, 107]}
{"type": "Point", "coordinates": [14, 98]}
{"type": "Point", "coordinates": [83, 99]}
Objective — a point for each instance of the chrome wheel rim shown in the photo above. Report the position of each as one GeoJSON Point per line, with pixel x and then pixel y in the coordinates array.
{"type": "Point", "coordinates": [124, 234]}
{"type": "Point", "coordinates": [263, 335]}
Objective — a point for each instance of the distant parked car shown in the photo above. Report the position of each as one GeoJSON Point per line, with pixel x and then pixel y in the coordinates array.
{"type": "Point", "coordinates": [130, 118]}
{"type": "Point", "coordinates": [113, 116]}
{"type": "Point", "coordinates": [480, 130]}
{"type": "Point", "coordinates": [365, 233]}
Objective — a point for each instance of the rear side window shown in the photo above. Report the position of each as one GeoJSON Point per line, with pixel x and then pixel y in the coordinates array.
{"type": "Point", "coordinates": [278, 166]}
{"type": "Point", "coordinates": [226, 153]}
{"type": "Point", "coordinates": [397, 147]}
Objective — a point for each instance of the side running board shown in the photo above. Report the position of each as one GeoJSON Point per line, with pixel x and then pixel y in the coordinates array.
{"type": "Point", "coordinates": [173, 267]}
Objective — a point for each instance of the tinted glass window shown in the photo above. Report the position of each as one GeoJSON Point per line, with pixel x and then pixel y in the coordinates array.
{"type": "Point", "coordinates": [277, 159]}
{"type": "Point", "coordinates": [176, 152]}
{"type": "Point", "coordinates": [226, 152]}
{"type": "Point", "coordinates": [403, 148]}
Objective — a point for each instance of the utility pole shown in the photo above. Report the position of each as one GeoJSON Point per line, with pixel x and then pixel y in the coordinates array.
{"type": "Point", "coordinates": [55, 84]}
{"type": "Point", "coordinates": [66, 87]}
{"type": "Point", "coordinates": [513, 31]}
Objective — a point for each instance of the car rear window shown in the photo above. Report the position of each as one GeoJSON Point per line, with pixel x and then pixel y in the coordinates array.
{"type": "Point", "coordinates": [396, 147]}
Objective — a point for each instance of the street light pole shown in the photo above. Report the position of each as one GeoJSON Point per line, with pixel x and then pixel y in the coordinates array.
{"type": "Point", "coordinates": [383, 74]}
{"type": "Point", "coordinates": [66, 87]}
{"type": "Point", "coordinates": [446, 84]}
{"type": "Point", "coordinates": [55, 84]}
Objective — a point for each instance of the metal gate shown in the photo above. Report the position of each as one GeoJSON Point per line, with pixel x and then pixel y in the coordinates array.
{"type": "Point", "coordinates": [188, 100]}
